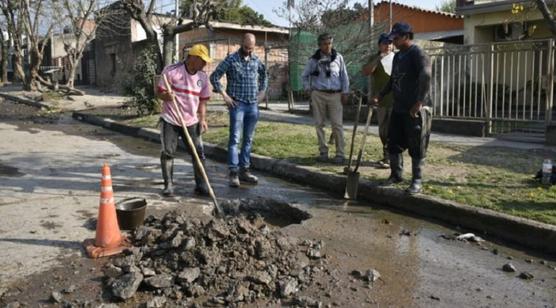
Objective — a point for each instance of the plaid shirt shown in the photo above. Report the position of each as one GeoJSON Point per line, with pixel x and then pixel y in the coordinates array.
{"type": "Point", "coordinates": [245, 78]}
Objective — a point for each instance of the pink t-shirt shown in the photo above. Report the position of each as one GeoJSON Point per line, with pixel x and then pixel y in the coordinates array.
{"type": "Point", "coordinates": [189, 90]}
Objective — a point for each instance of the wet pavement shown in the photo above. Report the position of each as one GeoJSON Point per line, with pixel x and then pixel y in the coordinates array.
{"type": "Point", "coordinates": [49, 190]}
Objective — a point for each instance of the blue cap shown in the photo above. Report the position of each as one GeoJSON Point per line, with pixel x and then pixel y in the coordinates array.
{"type": "Point", "coordinates": [399, 28]}
{"type": "Point", "coordinates": [383, 38]}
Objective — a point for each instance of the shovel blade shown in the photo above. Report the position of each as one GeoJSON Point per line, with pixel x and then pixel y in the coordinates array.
{"type": "Point", "coordinates": [352, 184]}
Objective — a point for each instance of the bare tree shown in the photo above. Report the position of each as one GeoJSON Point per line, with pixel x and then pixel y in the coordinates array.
{"type": "Point", "coordinates": [5, 46]}
{"type": "Point", "coordinates": [547, 14]}
{"type": "Point", "coordinates": [77, 22]}
{"type": "Point", "coordinates": [12, 13]}
{"type": "Point", "coordinates": [34, 19]}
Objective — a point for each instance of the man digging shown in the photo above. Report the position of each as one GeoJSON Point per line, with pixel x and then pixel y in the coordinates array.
{"type": "Point", "coordinates": [191, 89]}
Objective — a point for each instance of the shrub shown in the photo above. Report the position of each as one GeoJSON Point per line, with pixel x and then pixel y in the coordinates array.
{"type": "Point", "coordinates": [140, 86]}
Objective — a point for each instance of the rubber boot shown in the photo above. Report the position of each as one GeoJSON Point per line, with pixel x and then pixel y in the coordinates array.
{"type": "Point", "coordinates": [416, 181]}
{"type": "Point", "coordinates": [396, 169]}
{"type": "Point", "coordinates": [201, 187]}
{"type": "Point", "coordinates": [167, 165]}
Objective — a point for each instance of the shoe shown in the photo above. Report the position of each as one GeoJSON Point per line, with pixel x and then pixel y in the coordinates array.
{"type": "Point", "coordinates": [322, 158]}
{"type": "Point", "coordinates": [247, 177]}
{"type": "Point", "coordinates": [339, 160]}
{"type": "Point", "coordinates": [168, 191]}
{"type": "Point", "coordinates": [383, 164]}
{"type": "Point", "coordinates": [167, 166]}
{"type": "Point", "coordinates": [201, 190]}
{"type": "Point", "coordinates": [392, 180]}
{"type": "Point", "coordinates": [234, 179]}
{"type": "Point", "coordinates": [415, 188]}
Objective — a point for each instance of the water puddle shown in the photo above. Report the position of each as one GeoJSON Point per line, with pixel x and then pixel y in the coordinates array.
{"type": "Point", "coordinates": [10, 171]}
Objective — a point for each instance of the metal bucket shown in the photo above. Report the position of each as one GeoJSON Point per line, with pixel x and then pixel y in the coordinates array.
{"type": "Point", "coordinates": [131, 212]}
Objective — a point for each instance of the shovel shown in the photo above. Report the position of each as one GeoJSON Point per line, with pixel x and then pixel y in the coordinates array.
{"type": "Point", "coordinates": [347, 169]}
{"type": "Point", "coordinates": [218, 209]}
{"type": "Point", "coordinates": [352, 180]}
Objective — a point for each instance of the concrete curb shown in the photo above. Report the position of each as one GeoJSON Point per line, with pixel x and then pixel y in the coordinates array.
{"type": "Point", "coordinates": [521, 231]}
{"type": "Point", "coordinates": [26, 101]}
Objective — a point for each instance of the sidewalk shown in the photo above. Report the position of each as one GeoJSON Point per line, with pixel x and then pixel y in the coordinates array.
{"type": "Point", "coordinates": [278, 112]}
{"type": "Point", "coordinates": [93, 98]}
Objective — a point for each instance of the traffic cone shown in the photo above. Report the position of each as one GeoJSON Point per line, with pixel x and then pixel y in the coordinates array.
{"type": "Point", "coordinates": [109, 240]}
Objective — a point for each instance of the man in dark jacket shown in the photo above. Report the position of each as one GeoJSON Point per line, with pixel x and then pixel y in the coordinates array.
{"type": "Point", "coordinates": [410, 119]}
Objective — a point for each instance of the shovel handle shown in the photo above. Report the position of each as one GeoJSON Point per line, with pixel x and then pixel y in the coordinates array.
{"type": "Point", "coordinates": [354, 131]}
{"type": "Point", "coordinates": [363, 142]}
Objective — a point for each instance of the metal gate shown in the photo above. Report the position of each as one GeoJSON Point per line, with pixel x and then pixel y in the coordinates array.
{"type": "Point", "coordinates": [508, 85]}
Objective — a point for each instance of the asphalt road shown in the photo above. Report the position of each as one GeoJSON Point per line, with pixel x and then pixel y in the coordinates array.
{"type": "Point", "coordinates": [49, 194]}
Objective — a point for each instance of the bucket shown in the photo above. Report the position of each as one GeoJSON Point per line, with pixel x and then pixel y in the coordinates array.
{"type": "Point", "coordinates": [131, 213]}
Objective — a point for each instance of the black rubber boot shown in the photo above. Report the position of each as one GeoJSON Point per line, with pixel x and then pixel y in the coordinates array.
{"type": "Point", "coordinates": [396, 169]}
{"type": "Point", "coordinates": [201, 187]}
{"type": "Point", "coordinates": [416, 182]}
{"type": "Point", "coordinates": [167, 165]}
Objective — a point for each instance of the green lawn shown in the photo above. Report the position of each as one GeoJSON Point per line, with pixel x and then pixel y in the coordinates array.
{"type": "Point", "coordinates": [500, 179]}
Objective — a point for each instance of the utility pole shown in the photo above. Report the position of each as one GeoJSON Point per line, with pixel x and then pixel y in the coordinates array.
{"type": "Point", "coordinates": [390, 15]}
{"type": "Point", "coordinates": [177, 35]}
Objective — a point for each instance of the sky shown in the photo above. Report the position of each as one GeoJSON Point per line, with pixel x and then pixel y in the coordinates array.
{"type": "Point", "coordinates": [266, 7]}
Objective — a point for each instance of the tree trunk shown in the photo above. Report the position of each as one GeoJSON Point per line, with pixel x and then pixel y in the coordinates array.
{"type": "Point", "coordinates": [73, 68]}
{"type": "Point", "coordinates": [169, 46]}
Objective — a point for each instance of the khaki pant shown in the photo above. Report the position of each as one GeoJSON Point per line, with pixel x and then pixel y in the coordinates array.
{"type": "Point", "coordinates": [331, 104]}
{"type": "Point", "coordinates": [383, 117]}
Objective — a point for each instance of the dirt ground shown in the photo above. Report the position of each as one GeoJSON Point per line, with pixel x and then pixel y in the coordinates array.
{"type": "Point", "coordinates": [49, 197]}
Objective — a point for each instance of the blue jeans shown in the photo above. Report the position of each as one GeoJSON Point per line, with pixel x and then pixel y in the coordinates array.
{"type": "Point", "coordinates": [243, 119]}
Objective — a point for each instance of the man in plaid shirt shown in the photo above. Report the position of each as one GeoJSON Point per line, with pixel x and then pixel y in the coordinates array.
{"type": "Point", "coordinates": [246, 84]}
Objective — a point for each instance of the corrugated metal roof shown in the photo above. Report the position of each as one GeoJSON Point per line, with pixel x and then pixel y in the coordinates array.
{"type": "Point", "coordinates": [416, 8]}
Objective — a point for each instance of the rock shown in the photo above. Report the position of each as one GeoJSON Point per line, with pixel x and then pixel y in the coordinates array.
{"type": "Point", "coordinates": [372, 275]}
{"type": "Point", "coordinates": [189, 275]}
{"type": "Point", "coordinates": [190, 243]}
{"type": "Point", "coordinates": [509, 268]}
{"type": "Point", "coordinates": [262, 248]}
{"type": "Point", "coordinates": [526, 276]}
{"type": "Point", "coordinates": [314, 253]}
{"type": "Point", "coordinates": [126, 286]}
{"type": "Point", "coordinates": [543, 262]}
{"type": "Point", "coordinates": [261, 278]}
{"type": "Point", "coordinates": [405, 232]}
{"type": "Point", "coordinates": [288, 287]}
{"type": "Point", "coordinates": [177, 240]}
{"type": "Point", "coordinates": [69, 289]}
{"type": "Point", "coordinates": [160, 281]}
{"type": "Point", "coordinates": [306, 301]}
{"type": "Point", "coordinates": [495, 251]}
{"type": "Point", "coordinates": [529, 261]}
{"type": "Point", "coordinates": [112, 271]}
{"type": "Point", "coordinates": [15, 304]}
{"type": "Point", "coordinates": [56, 297]}
{"type": "Point", "coordinates": [147, 272]}
{"type": "Point", "coordinates": [469, 237]}
{"type": "Point", "coordinates": [108, 306]}
{"type": "Point", "coordinates": [436, 298]}
{"type": "Point", "coordinates": [157, 302]}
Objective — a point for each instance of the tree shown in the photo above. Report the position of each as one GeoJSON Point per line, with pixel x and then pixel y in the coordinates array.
{"type": "Point", "coordinates": [5, 46]}
{"type": "Point", "coordinates": [12, 13]}
{"type": "Point", "coordinates": [77, 22]}
{"type": "Point", "coordinates": [547, 14]}
{"type": "Point", "coordinates": [201, 12]}
{"type": "Point", "coordinates": [448, 6]}
{"type": "Point", "coordinates": [235, 12]}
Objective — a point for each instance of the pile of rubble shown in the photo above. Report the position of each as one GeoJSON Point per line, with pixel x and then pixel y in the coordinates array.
{"type": "Point", "coordinates": [221, 261]}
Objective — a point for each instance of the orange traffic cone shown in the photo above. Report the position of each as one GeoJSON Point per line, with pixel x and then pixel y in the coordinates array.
{"type": "Point", "coordinates": [109, 240]}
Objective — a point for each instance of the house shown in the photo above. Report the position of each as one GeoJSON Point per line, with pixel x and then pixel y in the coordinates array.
{"type": "Point", "coordinates": [428, 25]}
{"type": "Point", "coordinates": [119, 41]}
{"type": "Point", "coordinates": [56, 57]}
{"type": "Point", "coordinates": [225, 38]}
{"type": "Point", "coordinates": [488, 21]}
